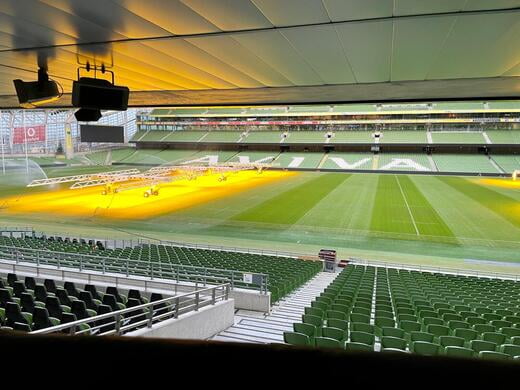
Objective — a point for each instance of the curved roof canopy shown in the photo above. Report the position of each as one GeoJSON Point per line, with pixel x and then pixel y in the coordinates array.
{"type": "Point", "coordinates": [190, 52]}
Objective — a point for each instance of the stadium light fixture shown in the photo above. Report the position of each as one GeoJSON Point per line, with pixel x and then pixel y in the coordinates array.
{"type": "Point", "coordinates": [32, 94]}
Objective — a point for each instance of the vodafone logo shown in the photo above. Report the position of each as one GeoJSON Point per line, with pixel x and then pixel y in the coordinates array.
{"type": "Point", "coordinates": [28, 134]}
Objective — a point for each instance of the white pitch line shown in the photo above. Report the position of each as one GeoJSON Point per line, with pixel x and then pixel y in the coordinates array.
{"type": "Point", "coordinates": [407, 206]}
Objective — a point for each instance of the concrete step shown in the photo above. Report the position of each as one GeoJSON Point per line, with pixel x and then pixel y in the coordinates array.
{"type": "Point", "coordinates": [269, 328]}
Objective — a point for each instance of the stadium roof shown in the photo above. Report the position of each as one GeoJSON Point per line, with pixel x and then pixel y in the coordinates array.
{"type": "Point", "coordinates": [201, 52]}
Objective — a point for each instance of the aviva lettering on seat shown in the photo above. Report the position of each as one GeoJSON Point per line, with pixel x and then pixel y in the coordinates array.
{"type": "Point", "coordinates": [406, 164]}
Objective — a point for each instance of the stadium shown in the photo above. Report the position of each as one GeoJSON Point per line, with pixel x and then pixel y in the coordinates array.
{"type": "Point", "coordinates": [317, 180]}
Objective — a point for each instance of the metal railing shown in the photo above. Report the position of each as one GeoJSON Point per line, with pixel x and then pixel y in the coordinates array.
{"type": "Point", "coordinates": [142, 316]}
{"type": "Point", "coordinates": [151, 269]}
{"type": "Point", "coordinates": [442, 270]}
{"type": "Point", "coordinates": [16, 231]}
{"type": "Point", "coordinates": [114, 243]}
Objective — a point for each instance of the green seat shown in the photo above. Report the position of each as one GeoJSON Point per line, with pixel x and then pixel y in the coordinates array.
{"type": "Point", "coordinates": [294, 338]}
{"type": "Point", "coordinates": [494, 337]}
{"type": "Point", "coordinates": [510, 349]}
{"type": "Point", "coordinates": [502, 324]}
{"type": "Point", "coordinates": [338, 315]}
{"type": "Point", "coordinates": [515, 340]}
{"type": "Point", "coordinates": [315, 312]}
{"type": "Point", "coordinates": [307, 329]}
{"type": "Point", "coordinates": [393, 343]}
{"type": "Point", "coordinates": [466, 334]}
{"type": "Point", "coordinates": [424, 348]}
{"type": "Point", "coordinates": [326, 342]}
{"type": "Point", "coordinates": [421, 336]}
{"type": "Point", "coordinates": [407, 317]}
{"type": "Point", "coordinates": [510, 331]}
{"type": "Point", "coordinates": [362, 318]}
{"type": "Point", "coordinates": [475, 320]}
{"type": "Point", "coordinates": [431, 321]}
{"type": "Point", "coordinates": [493, 355]}
{"type": "Point", "coordinates": [334, 333]}
{"type": "Point", "coordinates": [393, 332]}
{"type": "Point", "coordinates": [361, 327]}
{"type": "Point", "coordinates": [340, 324]}
{"type": "Point", "coordinates": [351, 346]}
{"type": "Point", "coordinates": [362, 337]}
{"type": "Point", "coordinates": [483, 328]}
{"type": "Point", "coordinates": [313, 320]}
{"type": "Point", "coordinates": [410, 326]}
{"type": "Point", "coordinates": [454, 324]}
{"type": "Point", "coordinates": [481, 345]}
{"type": "Point", "coordinates": [451, 341]}
{"type": "Point", "coordinates": [384, 322]}
{"type": "Point", "coordinates": [438, 330]}
{"type": "Point", "coordinates": [384, 314]}
{"type": "Point", "coordinates": [458, 351]}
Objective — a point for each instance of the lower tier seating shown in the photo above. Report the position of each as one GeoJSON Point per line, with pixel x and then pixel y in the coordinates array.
{"type": "Point", "coordinates": [29, 304]}
{"type": "Point", "coordinates": [390, 310]}
{"type": "Point", "coordinates": [285, 274]}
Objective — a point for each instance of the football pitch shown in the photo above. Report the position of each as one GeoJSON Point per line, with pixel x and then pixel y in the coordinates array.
{"type": "Point", "coordinates": [463, 222]}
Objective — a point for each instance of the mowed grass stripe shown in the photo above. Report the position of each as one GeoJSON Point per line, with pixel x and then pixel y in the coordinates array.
{"type": "Point", "coordinates": [390, 213]}
{"type": "Point", "coordinates": [502, 205]}
{"type": "Point", "coordinates": [289, 206]}
{"type": "Point", "coordinates": [348, 206]}
{"type": "Point", "coordinates": [427, 219]}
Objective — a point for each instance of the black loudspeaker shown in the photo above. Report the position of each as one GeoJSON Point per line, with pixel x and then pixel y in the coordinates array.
{"type": "Point", "coordinates": [98, 94]}
{"type": "Point", "coordinates": [87, 115]}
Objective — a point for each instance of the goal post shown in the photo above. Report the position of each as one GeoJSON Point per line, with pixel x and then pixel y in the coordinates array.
{"type": "Point", "coordinates": [516, 175]}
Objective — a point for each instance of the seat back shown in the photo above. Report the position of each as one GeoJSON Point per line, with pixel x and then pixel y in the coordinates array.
{"type": "Point", "coordinates": [27, 302]}
{"type": "Point", "coordinates": [50, 285]}
{"type": "Point", "coordinates": [40, 292]}
{"type": "Point", "coordinates": [18, 288]}
{"type": "Point", "coordinates": [86, 297]}
{"type": "Point", "coordinates": [92, 289]}
{"type": "Point", "coordinates": [79, 309]}
{"type": "Point", "coordinates": [63, 296]}
{"type": "Point", "coordinates": [11, 278]}
{"type": "Point", "coordinates": [5, 297]}
{"type": "Point", "coordinates": [41, 318]}
{"type": "Point", "coordinates": [13, 314]}
{"type": "Point", "coordinates": [30, 282]}
{"type": "Point", "coordinates": [53, 306]}
{"type": "Point", "coordinates": [71, 289]}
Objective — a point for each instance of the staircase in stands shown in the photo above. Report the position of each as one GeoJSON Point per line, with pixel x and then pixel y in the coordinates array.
{"type": "Point", "coordinates": [255, 327]}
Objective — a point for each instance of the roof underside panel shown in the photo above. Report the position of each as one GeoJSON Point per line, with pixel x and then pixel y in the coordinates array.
{"type": "Point", "coordinates": [239, 49]}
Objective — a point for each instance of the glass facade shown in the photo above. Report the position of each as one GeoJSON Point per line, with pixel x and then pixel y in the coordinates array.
{"type": "Point", "coordinates": [54, 122]}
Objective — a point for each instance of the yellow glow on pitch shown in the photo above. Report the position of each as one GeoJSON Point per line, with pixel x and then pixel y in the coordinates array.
{"type": "Point", "coordinates": [131, 204]}
{"type": "Point", "coordinates": [502, 183]}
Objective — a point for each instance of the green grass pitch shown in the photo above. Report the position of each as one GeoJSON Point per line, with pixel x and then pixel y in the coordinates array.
{"type": "Point", "coordinates": [446, 221]}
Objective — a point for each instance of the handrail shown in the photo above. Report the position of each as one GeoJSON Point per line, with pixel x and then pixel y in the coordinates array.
{"type": "Point", "coordinates": [443, 270]}
{"type": "Point", "coordinates": [123, 320]}
{"type": "Point", "coordinates": [250, 280]}
{"type": "Point", "coordinates": [156, 241]}
{"type": "Point", "coordinates": [16, 229]}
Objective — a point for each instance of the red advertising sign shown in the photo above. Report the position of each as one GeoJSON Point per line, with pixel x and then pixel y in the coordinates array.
{"type": "Point", "coordinates": [29, 133]}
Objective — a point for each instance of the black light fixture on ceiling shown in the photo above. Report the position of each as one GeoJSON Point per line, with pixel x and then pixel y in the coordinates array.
{"type": "Point", "coordinates": [32, 94]}
{"type": "Point", "coordinates": [92, 95]}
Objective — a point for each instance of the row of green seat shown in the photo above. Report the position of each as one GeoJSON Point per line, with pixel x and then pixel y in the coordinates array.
{"type": "Point", "coordinates": [285, 274]}
{"type": "Point", "coordinates": [427, 313]}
